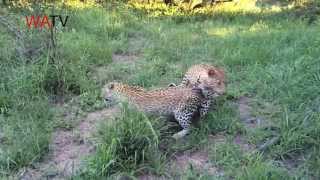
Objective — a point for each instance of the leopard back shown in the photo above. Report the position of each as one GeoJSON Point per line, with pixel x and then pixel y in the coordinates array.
{"type": "Point", "coordinates": [159, 101]}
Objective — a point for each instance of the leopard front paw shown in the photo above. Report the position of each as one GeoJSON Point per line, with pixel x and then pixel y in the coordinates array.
{"type": "Point", "coordinates": [180, 134]}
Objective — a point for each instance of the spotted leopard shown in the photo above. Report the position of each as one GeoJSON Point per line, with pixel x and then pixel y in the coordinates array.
{"type": "Point", "coordinates": [182, 103]}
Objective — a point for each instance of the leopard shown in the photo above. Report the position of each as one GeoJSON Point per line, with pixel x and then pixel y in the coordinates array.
{"type": "Point", "coordinates": [208, 75]}
{"type": "Point", "coordinates": [181, 103]}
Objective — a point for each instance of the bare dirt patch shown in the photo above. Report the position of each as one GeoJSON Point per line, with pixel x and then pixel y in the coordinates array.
{"type": "Point", "coordinates": [89, 124]}
{"type": "Point", "coordinates": [252, 122]}
{"type": "Point", "coordinates": [245, 146]}
{"type": "Point", "coordinates": [199, 160]}
{"type": "Point", "coordinates": [68, 149]}
{"type": "Point", "coordinates": [249, 121]}
{"type": "Point", "coordinates": [125, 57]}
{"type": "Point", "coordinates": [245, 113]}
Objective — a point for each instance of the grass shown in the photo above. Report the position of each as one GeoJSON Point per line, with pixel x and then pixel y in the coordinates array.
{"type": "Point", "coordinates": [25, 115]}
{"type": "Point", "coordinates": [129, 145]}
{"type": "Point", "coordinates": [270, 55]}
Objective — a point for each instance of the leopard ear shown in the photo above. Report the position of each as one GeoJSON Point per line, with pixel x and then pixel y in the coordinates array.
{"type": "Point", "coordinates": [212, 72]}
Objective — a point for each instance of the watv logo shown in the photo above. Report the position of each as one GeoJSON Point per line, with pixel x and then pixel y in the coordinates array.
{"type": "Point", "coordinates": [44, 21]}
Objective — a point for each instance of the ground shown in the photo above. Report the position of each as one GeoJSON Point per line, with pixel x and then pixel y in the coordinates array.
{"type": "Point", "coordinates": [55, 125]}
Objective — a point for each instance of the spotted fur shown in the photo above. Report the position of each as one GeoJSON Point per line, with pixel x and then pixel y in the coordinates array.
{"type": "Point", "coordinates": [180, 102]}
{"type": "Point", "coordinates": [204, 75]}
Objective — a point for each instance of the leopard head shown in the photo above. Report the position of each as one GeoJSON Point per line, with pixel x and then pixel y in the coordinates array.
{"type": "Point", "coordinates": [111, 93]}
{"type": "Point", "coordinates": [214, 82]}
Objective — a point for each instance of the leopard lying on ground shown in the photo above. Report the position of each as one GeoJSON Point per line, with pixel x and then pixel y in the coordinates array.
{"type": "Point", "coordinates": [183, 103]}
{"type": "Point", "coordinates": [209, 75]}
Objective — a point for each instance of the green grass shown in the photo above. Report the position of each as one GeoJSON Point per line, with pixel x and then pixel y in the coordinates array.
{"type": "Point", "coordinates": [271, 56]}
{"type": "Point", "coordinates": [25, 116]}
{"type": "Point", "coordinates": [129, 145]}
